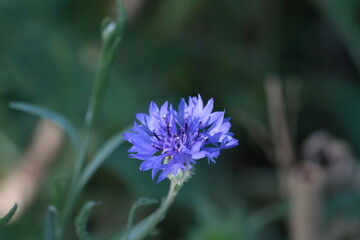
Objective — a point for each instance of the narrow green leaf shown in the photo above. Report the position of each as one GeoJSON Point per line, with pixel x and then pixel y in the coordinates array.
{"type": "Point", "coordinates": [145, 226]}
{"type": "Point", "coordinates": [102, 154]}
{"type": "Point", "coordinates": [51, 115]}
{"type": "Point", "coordinates": [148, 224]}
{"type": "Point", "coordinates": [4, 220]}
{"type": "Point", "coordinates": [50, 223]}
{"type": "Point", "coordinates": [140, 202]}
{"type": "Point", "coordinates": [82, 218]}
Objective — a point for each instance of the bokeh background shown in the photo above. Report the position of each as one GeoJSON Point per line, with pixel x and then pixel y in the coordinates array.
{"type": "Point", "coordinates": [179, 48]}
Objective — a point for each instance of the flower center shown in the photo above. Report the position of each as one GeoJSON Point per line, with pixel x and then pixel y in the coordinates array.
{"type": "Point", "coordinates": [172, 140]}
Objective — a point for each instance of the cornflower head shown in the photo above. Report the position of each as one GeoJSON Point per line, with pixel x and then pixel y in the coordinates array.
{"type": "Point", "coordinates": [172, 141]}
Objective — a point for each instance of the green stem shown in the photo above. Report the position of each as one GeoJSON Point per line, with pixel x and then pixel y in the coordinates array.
{"type": "Point", "coordinates": [143, 228]}
{"type": "Point", "coordinates": [111, 36]}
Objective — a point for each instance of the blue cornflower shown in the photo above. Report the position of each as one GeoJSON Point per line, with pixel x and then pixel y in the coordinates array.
{"type": "Point", "coordinates": [172, 141]}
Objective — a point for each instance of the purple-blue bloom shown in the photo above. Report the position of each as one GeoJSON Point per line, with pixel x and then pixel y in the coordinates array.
{"type": "Point", "coordinates": [171, 141]}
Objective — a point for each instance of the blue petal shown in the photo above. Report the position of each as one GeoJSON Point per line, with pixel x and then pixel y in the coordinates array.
{"type": "Point", "coordinates": [141, 117]}
{"type": "Point", "coordinates": [211, 159]}
{"type": "Point", "coordinates": [164, 174]}
{"type": "Point", "coordinates": [181, 158]}
{"type": "Point", "coordinates": [218, 122]}
{"type": "Point", "coordinates": [154, 172]}
{"type": "Point", "coordinates": [229, 142]}
{"type": "Point", "coordinates": [133, 149]}
{"type": "Point", "coordinates": [205, 115]}
{"type": "Point", "coordinates": [181, 115]}
{"type": "Point", "coordinates": [196, 147]}
{"type": "Point", "coordinates": [225, 127]}
{"type": "Point", "coordinates": [153, 108]}
{"type": "Point", "coordinates": [214, 116]}
{"type": "Point", "coordinates": [199, 107]}
{"type": "Point", "coordinates": [146, 165]}
{"type": "Point", "coordinates": [215, 138]}
{"type": "Point", "coordinates": [164, 109]}
{"type": "Point", "coordinates": [199, 155]}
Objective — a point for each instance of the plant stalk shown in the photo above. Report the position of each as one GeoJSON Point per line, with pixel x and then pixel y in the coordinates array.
{"type": "Point", "coordinates": [111, 37]}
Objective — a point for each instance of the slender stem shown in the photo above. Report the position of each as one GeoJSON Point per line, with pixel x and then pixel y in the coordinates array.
{"type": "Point", "coordinates": [111, 36]}
{"type": "Point", "coordinates": [143, 228]}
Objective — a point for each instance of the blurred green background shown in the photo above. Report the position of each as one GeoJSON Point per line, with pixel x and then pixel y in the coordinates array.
{"type": "Point", "coordinates": [172, 49]}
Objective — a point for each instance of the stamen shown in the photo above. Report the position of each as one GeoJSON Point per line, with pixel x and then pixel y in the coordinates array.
{"type": "Point", "coordinates": [156, 136]}
{"type": "Point", "coordinates": [197, 135]}
{"type": "Point", "coordinates": [168, 130]}
{"type": "Point", "coordinates": [205, 138]}
{"type": "Point", "coordinates": [156, 147]}
{"type": "Point", "coordinates": [183, 138]}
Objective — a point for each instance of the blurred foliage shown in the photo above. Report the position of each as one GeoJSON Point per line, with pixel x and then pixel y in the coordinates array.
{"type": "Point", "coordinates": [173, 49]}
{"type": "Point", "coordinates": [216, 225]}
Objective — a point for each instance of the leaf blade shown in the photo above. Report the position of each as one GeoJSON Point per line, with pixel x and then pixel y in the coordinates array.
{"type": "Point", "coordinates": [81, 220]}
{"type": "Point", "coordinates": [58, 118]}
{"type": "Point", "coordinates": [99, 158]}
{"type": "Point", "coordinates": [138, 203]}
{"type": "Point", "coordinates": [4, 220]}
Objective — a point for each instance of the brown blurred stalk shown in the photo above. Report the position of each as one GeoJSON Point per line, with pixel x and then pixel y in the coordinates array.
{"type": "Point", "coordinates": [22, 184]}
{"type": "Point", "coordinates": [301, 183]}
{"type": "Point", "coordinates": [305, 195]}
{"type": "Point", "coordinates": [324, 164]}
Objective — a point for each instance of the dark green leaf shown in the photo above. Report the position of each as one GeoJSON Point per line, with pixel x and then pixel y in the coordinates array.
{"type": "Point", "coordinates": [4, 220]}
